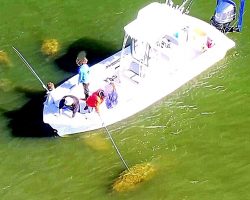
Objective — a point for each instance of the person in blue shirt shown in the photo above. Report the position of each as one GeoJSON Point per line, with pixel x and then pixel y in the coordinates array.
{"type": "Point", "coordinates": [83, 72]}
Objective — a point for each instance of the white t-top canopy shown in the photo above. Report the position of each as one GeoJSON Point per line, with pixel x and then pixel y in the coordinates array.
{"type": "Point", "coordinates": [154, 22]}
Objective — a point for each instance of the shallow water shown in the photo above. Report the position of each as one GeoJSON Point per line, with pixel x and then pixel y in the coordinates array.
{"type": "Point", "coordinates": [197, 137]}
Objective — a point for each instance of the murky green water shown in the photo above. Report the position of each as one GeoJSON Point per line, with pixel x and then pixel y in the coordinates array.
{"type": "Point", "coordinates": [198, 137]}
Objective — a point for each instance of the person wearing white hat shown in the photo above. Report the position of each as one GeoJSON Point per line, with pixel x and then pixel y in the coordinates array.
{"type": "Point", "coordinates": [69, 102]}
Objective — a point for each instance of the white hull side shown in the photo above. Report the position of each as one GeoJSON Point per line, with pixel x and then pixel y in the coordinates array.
{"type": "Point", "coordinates": [163, 79]}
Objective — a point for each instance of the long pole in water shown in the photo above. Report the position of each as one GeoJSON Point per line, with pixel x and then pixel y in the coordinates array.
{"type": "Point", "coordinates": [113, 142]}
{"type": "Point", "coordinates": [30, 68]}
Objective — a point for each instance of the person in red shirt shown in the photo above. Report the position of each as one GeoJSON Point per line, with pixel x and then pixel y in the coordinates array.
{"type": "Point", "coordinates": [95, 100]}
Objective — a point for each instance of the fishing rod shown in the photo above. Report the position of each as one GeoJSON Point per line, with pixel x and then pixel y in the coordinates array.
{"type": "Point", "coordinates": [30, 68]}
{"type": "Point", "coordinates": [189, 7]}
{"type": "Point", "coordinates": [183, 4]}
{"type": "Point", "coordinates": [113, 142]}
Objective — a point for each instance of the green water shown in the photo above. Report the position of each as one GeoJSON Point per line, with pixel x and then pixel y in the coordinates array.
{"type": "Point", "coordinates": [198, 137]}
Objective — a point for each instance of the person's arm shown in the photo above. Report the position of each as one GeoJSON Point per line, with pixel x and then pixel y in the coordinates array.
{"type": "Point", "coordinates": [98, 103]}
{"type": "Point", "coordinates": [61, 104]}
{"type": "Point", "coordinates": [76, 108]}
{"type": "Point", "coordinates": [97, 108]}
{"type": "Point", "coordinates": [80, 76]}
{"type": "Point", "coordinates": [74, 113]}
{"type": "Point", "coordinates": [88, 70]}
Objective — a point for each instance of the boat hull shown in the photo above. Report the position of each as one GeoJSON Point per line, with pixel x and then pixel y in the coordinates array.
{"type": "Point", "coordinates": [134, 93]}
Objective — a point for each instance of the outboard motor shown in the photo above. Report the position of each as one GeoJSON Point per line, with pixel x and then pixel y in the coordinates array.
{"type": "Point", "coordinates": [225, 14]}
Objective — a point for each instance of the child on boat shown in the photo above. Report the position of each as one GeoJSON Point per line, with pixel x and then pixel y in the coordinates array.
{"type": "Point", "coordinates": [69, 102]}
{"type": "Point", "coordinates": [50, 95]}
{"type": "Point", "coordinates": [50, 86]}
{"type": "Point", "coordinates": [83, 72]}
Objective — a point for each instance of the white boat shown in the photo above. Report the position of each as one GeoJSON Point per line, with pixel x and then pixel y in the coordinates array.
{"type": "Point", "coordinates": [167, 49]}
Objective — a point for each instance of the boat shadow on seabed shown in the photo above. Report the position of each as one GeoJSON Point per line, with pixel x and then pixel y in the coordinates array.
{"type": "Point", "coordinates": [27, 121]}
{"type": "Point", "coordinates": [96, 51]}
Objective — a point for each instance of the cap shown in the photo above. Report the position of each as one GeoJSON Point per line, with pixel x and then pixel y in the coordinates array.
{"type": "Point", "coordinates": [81, 55]}
{"type": "Point", "coordinates": [68, 101]}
